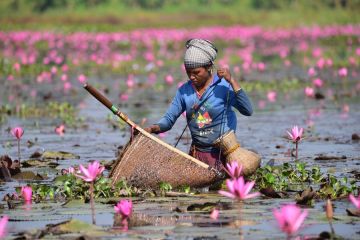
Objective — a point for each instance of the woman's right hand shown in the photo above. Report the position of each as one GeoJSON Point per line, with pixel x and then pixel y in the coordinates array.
{"type": "Point", "coordinates": [152, 129]}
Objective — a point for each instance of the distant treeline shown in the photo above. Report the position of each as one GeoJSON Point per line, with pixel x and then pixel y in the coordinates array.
{"type": "Point", "coordinates": [45, 5]}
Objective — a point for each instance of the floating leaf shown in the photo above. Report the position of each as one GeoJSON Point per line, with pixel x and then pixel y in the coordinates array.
{"type": "Point", "coordinates": [59, 155]}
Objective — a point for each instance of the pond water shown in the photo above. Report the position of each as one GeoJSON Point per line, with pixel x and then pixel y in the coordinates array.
{"type": "Point", "coordinates": [329, 133]}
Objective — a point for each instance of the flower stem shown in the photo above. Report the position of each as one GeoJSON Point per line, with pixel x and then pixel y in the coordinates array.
{"type": "Point", "coordinates": [92, 202]}
{"type": "Point", "coordinates": [332, 229]}
{"type": "Point", "coordinates": [19, 149]}
{"type": "Point", "coordinates": [296, 154]}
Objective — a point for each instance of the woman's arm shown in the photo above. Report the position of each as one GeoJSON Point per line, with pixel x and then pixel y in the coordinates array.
{"type": "Point", "coordinates": [175, 109]}
{"type": "Point", "coordinates": [242, 102]}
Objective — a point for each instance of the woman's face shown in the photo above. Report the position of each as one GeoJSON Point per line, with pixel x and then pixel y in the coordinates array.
{"type": "Point", "coordinates": [198, 76]}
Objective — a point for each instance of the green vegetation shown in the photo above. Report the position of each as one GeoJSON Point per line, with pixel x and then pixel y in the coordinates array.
{"type": "Point", "coordinates": [118, 15]}
{"type": "Point", "coordinates": [290, 177]}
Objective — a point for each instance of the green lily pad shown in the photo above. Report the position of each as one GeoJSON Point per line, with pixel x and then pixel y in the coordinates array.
{"type": "Point", "coordinates": [28, 176]}
{"type": "Point", "coordinates": [76, 226]}
{"type": "Point", "coordinates": [39, 163]}
{"type": "Point", "coordinates": [59, 155]}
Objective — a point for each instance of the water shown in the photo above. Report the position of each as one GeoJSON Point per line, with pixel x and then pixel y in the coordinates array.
{"type": "Point", "coordinates": [156, 218]}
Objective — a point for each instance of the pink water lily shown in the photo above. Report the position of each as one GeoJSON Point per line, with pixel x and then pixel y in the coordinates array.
{"type": "Point", "coordinates": [17, 132]}
{"type": "Point", "coordinates": [296, 133]}
{"type": "Point", "coordinates": [343, 72]}
{"type": "Point", "coordinates": [3, 223]}
{"type": "Point", "coordinates": [124, 208]}
{"type": "Point", "coordinates": [355, 201]}
{"type": "Point", "coordinates": [238, 189]}
{"type": "Point", "coordinates": [309, 91]}
{"type": "Point", "coordinates": [90, 174]}
{"type": "Point", "coordinates": [295, 136]}
{"type": "Point", "coordinates": [26, 192]}
{"type": "Point", "coordinates": [233, 169]}
{"type": "Point", "coordinates": [290, 218]}
{"type": "Point", "coordinates": [214, 214]}
{"type": "Point", "coordinates": [60, 130]}
{"type": "Point", "coordinates": [271, 96]}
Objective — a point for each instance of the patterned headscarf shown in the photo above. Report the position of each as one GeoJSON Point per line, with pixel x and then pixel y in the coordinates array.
{"type": "Point", "coordinates": [199, 53]}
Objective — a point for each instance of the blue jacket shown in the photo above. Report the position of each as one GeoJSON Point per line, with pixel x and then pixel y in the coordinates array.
{"type": "Point", "coordinates": [206, 116]}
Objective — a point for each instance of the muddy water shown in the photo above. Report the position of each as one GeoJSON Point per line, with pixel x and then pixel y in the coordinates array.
{"type": "Point", "coordinates": [157, 218]}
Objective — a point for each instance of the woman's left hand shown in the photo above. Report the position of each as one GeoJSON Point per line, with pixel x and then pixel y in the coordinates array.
{"type": "Point", "coordinates": [224, 73]}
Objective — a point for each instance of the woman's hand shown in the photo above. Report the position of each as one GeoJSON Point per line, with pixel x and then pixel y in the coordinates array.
{"type": "Point", "coordinates": [152, 129]}
{"type": "Point", "coordinates": [225, 73]}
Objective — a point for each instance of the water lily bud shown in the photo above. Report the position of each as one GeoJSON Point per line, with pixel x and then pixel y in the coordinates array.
{"type": "Point", "coordinates": [329, 210]}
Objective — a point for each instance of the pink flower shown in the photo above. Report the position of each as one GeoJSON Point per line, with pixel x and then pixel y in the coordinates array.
{"type": "Point", "coordinates": [214, 214]}
{"type": "Point", "coordinates": [17, 132]}
{"type": "Point", "coordinates": [295, 134]}
{"type": "Point", "coordinates": [82, 78]}
{"type": "Point", "coordinates": [238, 189]}
{"type": "Point", "coordinates": [343, 72]}
{"type": "Point", "coordinates": [71, 170]}
{"type": "Point", "coordinates": [355, 201]}
{"type": "Point", "coordinates": [311, 72]}
{"type": "Point", "coordinates": [64, 77]}
{"type": "Point", "coordinates": [124, 207]}
{"type": "Point", "coordinates": [233, 169]}
{"type": "Point", "coordinates": [3, 222]}
{"type": "Point", "coordinates": [90, 174]}
{"type": "Point", "coordinates": [26, 193]}
{"type": "Point", "coordinates": [169, 79]}
{"type": "Point", "coordinates": [261, 66]}
{"type": "Point", "coordinates": [60, 129]}
{"type": "Point", "coordinates": [67, 86]}
{"type": "Point", "coordinates": [271, 96]}
{"type": "Point", "coordinates": [290, 218]}
{"type": "Point", "coordinates": [124, 97]}
{"type": "Point", "coordinates": [17, 67]}
{"type": "Point", "coordinates": [318, 82]}
{"type": "Point", "coordinates": [261, 104]}
{"type": "Point", "coordinates": [309, 91]}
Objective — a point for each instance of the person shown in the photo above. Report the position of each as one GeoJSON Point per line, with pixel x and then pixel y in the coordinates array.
{"type": "Point", "coordinates": [208, 99]}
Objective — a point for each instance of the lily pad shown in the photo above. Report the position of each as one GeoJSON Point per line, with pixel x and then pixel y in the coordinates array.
{"type": "Point", "coordinates": [39, 163]}
{"type": "Point", "coordinates": [59, 155]}
{"type": "Point", "coordinates": [28, 176]}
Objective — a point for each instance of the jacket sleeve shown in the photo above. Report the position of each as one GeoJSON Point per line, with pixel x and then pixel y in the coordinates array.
{"type": "Point", "coordinates": [241, 102]}
{"type": "Point", "coordinates": [175, 109]}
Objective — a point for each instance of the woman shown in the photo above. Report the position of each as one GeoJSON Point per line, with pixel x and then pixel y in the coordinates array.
{"type": "Point", "coordinates": [208, 100]}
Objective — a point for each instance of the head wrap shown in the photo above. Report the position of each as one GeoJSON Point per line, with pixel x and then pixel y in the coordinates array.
{"type": "Point", "coordinates": [199, 53]}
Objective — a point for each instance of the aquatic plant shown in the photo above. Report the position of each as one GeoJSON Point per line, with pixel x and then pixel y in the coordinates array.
{"type": "Point", "coordinates": [290, 218]}
{"type": "Point", "coordinates": [26, 193]}
{"type": "Point", "coordinates": [214, 214]}
{"type": "Point", "coordinates": [330, 214]}
{"type": "Point", "coordinates": [239, 189]}
{"type": "Point", "coordinates": [286, 176]}
{"type": "Point", "coordinates": [60, 130]}
{"type": "Point", "coordinates": [17, 132]}
{"type": "Point", "coordinates": [355, 201]}
{"type": "Point", "coordinates": [165, 187]}
{"type": "Point", "coordinates": [124, 207]}
{"type": "Point", "coordinates": [295, 135]}
{"type": "Point", "coordinates": [233, 169]}
{"type": "Point", "coordinates": [3, 223]}
{"type": "Point", "coordinates": [90, 174]}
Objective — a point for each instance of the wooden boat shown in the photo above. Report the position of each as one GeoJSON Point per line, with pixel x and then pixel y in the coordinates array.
{"type": "Point", "coordinates": [147, 161]}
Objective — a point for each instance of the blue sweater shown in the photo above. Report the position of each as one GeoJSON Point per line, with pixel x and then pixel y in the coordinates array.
{"type": "Point", "coordinates": [206, 116]}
